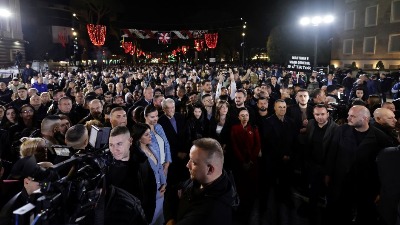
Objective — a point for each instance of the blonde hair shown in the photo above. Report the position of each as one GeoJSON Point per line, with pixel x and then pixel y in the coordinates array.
{"type": "Point", "coordinates": [89, 124]}
{"type": "Point", "coordinates": [30, 146]}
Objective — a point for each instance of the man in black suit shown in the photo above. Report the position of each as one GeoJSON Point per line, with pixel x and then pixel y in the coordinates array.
{"type": "Point", "coordinates": [352, 174]}
{"type": "Point", "coordinates": [174, 127]}
{"type": "Point", "coordinates": [147, 98]}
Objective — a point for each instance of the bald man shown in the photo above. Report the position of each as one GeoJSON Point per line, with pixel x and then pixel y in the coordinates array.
{"type": "Point", "coordinates": [352, 176]}
{"type": "Point", "coordinates": [386, 122]}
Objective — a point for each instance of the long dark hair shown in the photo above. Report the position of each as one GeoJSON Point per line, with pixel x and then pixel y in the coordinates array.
{"type": "Point", "coordinates": [138, 130]}
{"type": "Point", "coordinates": [5, 123]}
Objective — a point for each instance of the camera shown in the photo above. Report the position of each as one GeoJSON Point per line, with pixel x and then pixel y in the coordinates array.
{"type": "Point", "coordinates": [69, 199]}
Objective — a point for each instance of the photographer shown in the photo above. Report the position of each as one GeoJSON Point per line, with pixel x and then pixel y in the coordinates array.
{"type": "Point", "coordinates": [24, 171]}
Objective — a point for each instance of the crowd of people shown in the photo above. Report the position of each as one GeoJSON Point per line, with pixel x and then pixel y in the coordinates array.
{"type": "Point", "coordinates": [184, 139]}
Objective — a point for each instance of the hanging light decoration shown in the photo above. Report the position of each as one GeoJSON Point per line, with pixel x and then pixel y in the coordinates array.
{"type": "Point", "coordinates": [127, 46]}
{"type": "Point", "coordinates": [211, 40]}
{"type": "Point", "coordinates": [199, 44]}
{"type": "Point", "coordinates": [185, 49]}
{"type": "Point", "coordinates": [97, 34]}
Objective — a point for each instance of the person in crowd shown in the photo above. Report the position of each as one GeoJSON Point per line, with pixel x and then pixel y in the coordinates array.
{"type": "Point", "coordinates": [24, 171]}
{"type": "Point", "coordinates": [373, 102]}
{"type": "Point", "coordinates": [147, 98]}
{"type": "Point", "coordinates": [5, 94]}
{"type": "Point", "coordinates": [96, 112]}
{"type": "Point", "coordinates": [118, 117]}
{"type": "Point", "coordinates": [45, 99]}
{"type": "Point", "coordinates": [352, 176]}
{"type": "Point", "coordinates": [220, 130]}
{"type": "Point", "coordinates": [40, 110]}
{"type": "Point", "coordinates": [301, 112]}
{"type": "Point", "coordinates": [159, 140]}
{"type": "Point", "coordinates": [154, 185]}
{"type": "Point", "coordinates": [65, 107]}
{"type": "Point", "coordinates": [318, 97]}
{"type": "Point", "coordinates": [10, 118]}
{"type": "Point", "coordinates": [22, 98]}
{"type": "Point", "coordinates": [277, 147]}
{"type": "Point", "coordinates": [173, 124]}
{"type": "Point", "coordinates": [240, 98]}
{"type": "Point", "coordinates": [206, 198]}
{"type": "Point", "coordinates": [246, 147]}
{"type": "Point", "coordinates": [385, 120]}
{"type": "Point", "coordinates": [389, 201]}
{"type": "Point", "coordinates": [195, 126]}
{"type": "Point", "coordinates": [26, 124]}
{"type": "Point", "coordinates": [317, 139]}
{"type": "Point", "coordinates": [57, 95]}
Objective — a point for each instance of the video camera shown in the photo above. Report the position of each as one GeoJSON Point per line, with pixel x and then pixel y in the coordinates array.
{"type": "Point", "coordinates": [69, 199]}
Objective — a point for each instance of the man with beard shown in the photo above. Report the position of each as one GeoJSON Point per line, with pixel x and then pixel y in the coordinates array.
{"type": "Point", "coordinates": [352, 174]}
{"type": "Point", "coordinates": [240, 98]}
{"type": "Point", "coordinates": [302, 111]}
{"type": "Point", "coordinates": [95, 112]}
{"type": "Point", "coordinates": [65, 108]}
{"type": "Point", "coordinates": [262, 112]}
{"type": "Point", "coordinates": [40, 110]}
{"type": "Point", "coordinates": [21, 100]}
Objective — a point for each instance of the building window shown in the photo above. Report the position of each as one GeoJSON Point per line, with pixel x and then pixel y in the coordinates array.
{"type": "Point", "coordinates": [348, 46]}
{"type": "Point", "coordinates": [369, 45]}
{"type": "Point", "coordinates": [395, 15]}
{"type": "Point", "coordinates": [394, 43]}
{"type": "Point", "coordinates": [349, 20]}
{"type": "Point", "coordinates": [371, 16]}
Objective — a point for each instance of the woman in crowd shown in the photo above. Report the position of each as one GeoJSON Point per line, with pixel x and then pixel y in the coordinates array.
{"type": "Point", "coordinates": [10, 118]}
{"type": "Point", "coordinates": [159, 141]}
{"type": "Point", "coordinates": [195, 127]}
{"type": "Point", "coordinates": [220, 128]}
{"type": "Point", "coordinates": [246, 148]}
{"type": "Point", "coordinates": [151, 180]}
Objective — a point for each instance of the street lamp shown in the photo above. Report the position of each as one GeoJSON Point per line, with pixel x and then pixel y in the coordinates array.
{"type": "Point", "coordinates": [5, 13]}
{"type": "Point", "coordinates": [243, 43]}
{"type": "Point", "coordinates": [316, 21]}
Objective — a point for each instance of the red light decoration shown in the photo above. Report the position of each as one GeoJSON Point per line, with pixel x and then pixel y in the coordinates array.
{"type": "Point", "coordinates": [127, 46]}
{"type": "Point", "coordinates": [97, 34]}
{"type": "Point", "coordinates": [185, 49]}
{"type": "Point", "coordinates": [199, 44]}
{"type": "Point", "coordinates": [174, 52]}
{"type": "Point", "coordinates": [211, 40]}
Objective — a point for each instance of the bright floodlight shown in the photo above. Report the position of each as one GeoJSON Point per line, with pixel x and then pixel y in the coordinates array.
{"type": "Point", "coordinates": [243, 34]}
{"type": "Point", "coordinates": [316, 20]}
{"type": "Point", "coordinates": [328, 19]}
{"type": "Point", "coordinates": [305, 21]}
{"type": "Point", "coordinates": [5, 13]}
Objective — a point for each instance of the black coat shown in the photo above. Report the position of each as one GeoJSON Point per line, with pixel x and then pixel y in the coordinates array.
{"type": "Point", "coordinates": [349, 161]}
{"type": "Point", "coordinates": [175, 139]}
{"type": "Point", "coordinates": [136, 177]}
{"type": "Point", "coordinates": [211, 205]}
{"type": "Point", "coordinates": [388, 167]}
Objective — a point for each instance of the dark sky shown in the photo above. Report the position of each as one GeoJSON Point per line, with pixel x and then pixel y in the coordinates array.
{"type": "Point", "coordinates": [261, 15]}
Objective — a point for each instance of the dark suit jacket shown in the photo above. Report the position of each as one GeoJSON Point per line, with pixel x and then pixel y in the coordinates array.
{"type": "Point", "coordinates": [141, 102]}
{"type": "Point", "coordinates": [175, 139]}
{"type": "Point", "coordinates": [294, 112]}
{"type": "Point", "coordinates": [348, 161]}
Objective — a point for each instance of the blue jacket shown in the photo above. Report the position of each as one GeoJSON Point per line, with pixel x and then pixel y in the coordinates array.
{"type": "Point", "coordinates": [154, 144]}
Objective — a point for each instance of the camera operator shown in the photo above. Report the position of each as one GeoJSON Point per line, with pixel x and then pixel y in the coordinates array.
{"type": "Point", "coordinates": [24, 171]}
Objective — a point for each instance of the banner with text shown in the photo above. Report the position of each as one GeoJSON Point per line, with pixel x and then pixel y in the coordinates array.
{"type": "Point", "coordinates": [299, 63]}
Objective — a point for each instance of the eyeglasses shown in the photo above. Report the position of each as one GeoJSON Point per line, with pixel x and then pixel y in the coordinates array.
{"type": "Point", "coordinates": [27, 111]}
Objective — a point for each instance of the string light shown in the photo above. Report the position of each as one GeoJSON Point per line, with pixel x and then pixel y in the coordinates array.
{"type": "Point", "coordinates": [211, 40]}
{"type": "Point", "coordinates": [97, 34]}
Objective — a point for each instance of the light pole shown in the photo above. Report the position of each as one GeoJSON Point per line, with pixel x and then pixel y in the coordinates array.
{"type": "Point", "coordinates": [316, 21]}
{"type": "Point", "coordinates": [243, 43]}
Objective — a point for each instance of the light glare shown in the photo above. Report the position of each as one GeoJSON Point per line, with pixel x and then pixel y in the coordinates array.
{"type": "Point", "coordinates": [5, 13]}
{"type": "Point", "coordinates": [305, 21]}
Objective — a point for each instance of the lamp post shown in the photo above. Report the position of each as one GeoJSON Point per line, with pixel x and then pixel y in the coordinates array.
{"type": "Point", "coordinates": [243, 43]}
{"type": "Point", "coordinates": [315, 22]}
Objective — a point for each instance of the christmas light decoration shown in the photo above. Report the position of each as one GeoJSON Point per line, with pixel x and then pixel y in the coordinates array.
{"type": "Point", "coordinates": [127, 46]}
{"type": "Point", "coordinates": [199, 44]}
{"type": "Point", "coordinates": [211, 40]}
{"type": "Point", "coordinates": [185, 49]}
{"type": "Point", "coordinates": [97, 34]}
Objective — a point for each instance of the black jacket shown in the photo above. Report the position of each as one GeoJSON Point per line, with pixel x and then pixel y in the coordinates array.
{"type": "Point", "coordinates": [211, 205]}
